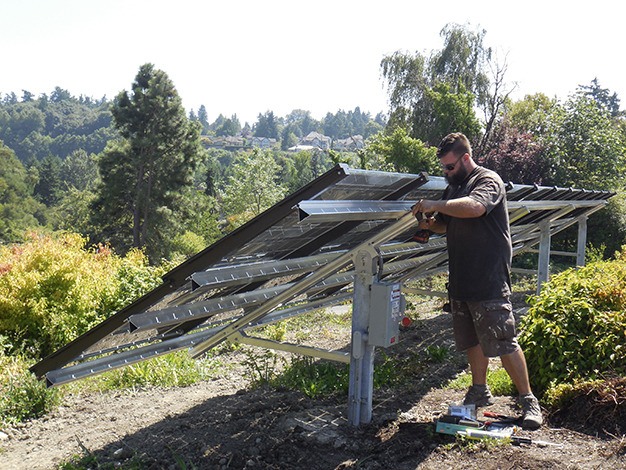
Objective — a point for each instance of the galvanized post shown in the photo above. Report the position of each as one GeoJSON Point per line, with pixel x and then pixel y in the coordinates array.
{"type": "Point", "coordinates": [361, 386]}
{"type": "Point", "coordinates": [582, 240]}
{"type": "Point", "coordinates": [543, 269]}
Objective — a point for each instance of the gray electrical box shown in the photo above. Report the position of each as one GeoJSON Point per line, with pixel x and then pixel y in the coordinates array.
{"type": "Point", "coordinates": [387, 306]}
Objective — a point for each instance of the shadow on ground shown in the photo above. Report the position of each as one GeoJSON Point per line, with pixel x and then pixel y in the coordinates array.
{"type": "Point", "coordinates": [282, 429]}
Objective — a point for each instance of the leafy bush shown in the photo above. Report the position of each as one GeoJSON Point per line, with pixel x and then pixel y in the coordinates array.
{"type": "Point", "coordinates": [52, 289]}
{"type": "Point", "coordinates": [22, 396]}
{"type": "Point", "coordinates": [575, 329]}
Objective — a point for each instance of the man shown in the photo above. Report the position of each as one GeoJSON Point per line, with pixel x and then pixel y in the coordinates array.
{"type": "Point", "coordinates": [473, 214]}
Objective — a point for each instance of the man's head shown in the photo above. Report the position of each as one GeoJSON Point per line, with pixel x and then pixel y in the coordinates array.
{"type": "Point", "coordinates": [455, 157]}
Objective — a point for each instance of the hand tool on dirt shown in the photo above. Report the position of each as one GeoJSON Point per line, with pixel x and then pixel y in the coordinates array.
{"type": "Point", "coordinates": [515, 440]}
{"type": "Point", "coordinates": [501, 418]}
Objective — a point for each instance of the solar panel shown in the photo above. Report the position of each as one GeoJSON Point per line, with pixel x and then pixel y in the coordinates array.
{"type": "Point", "coordinates": [295, 257]}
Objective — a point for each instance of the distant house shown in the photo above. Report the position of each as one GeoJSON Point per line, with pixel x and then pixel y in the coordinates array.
{"type": "Point", "coordinates": [316, 140]}
{"type": "Point", "coordinates": [225, 142]}
{"type": "Point", "coordinates": [351, 144]}
{"type": "Point", "coordinates": [262, 142]}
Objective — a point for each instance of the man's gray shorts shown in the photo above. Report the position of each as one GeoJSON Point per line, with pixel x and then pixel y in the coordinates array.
{"type": "Point", "coordinates": [489, 323]}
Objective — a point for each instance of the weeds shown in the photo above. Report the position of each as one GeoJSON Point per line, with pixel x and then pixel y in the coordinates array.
{"type": "Point", "coordinates": [22, 396]}
{"type": "Point", "coordinates": [498, 380]}
{"type": "Point", "coordinates": [172, 370]}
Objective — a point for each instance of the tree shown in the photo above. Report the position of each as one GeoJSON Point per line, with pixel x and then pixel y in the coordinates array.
{"type": "Point", "coordinates": [19, 211]}
{"type": "Point", "coordinates": [229, 126]}
{"type": "Point", "coordinates": [252, 187]}
{"type": "Point", "coordinates": [517, 157]}
{"type": "Point", "coordinates": [414, 81]}
{"type": "Point", "coordinates": [203, 118]}
{"type": "Point", "coordinates": [143, 174]}
{"type": "Point", "coordinates": [400, 152]}
{"type": "Point", "coordinates": [80, 170]}
{"type": "Point", "coordinates": [266, 126]}
{"type": "Point", "coordinates": [602, 96]}
{"type": "Point", "coordinates": [585, 146]}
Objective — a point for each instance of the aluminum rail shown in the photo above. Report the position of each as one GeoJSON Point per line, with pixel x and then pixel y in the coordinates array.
{"type": "Point", "coordinates": [317, 211]}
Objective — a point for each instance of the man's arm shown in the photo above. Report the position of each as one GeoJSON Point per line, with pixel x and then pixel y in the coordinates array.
{"type": "Point", "coordinates": [462, 208]}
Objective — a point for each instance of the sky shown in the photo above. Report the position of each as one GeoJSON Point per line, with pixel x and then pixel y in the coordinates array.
{"type": "Point", "coordinates": [248, 57]}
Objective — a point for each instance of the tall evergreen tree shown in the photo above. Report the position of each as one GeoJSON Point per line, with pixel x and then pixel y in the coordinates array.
{"type": "Point", "coordinates": [143, 176]}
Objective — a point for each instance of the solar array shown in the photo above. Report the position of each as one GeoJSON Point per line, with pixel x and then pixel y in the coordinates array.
{"type": "Point", "coordinates": [296, 257]}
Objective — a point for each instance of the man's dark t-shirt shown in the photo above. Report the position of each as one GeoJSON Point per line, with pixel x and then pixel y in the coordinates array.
{"type": "Point", "coordinates": [479, 248]}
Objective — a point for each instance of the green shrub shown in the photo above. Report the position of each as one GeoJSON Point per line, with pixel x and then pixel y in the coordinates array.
{"type": "Point", "coordinates": [575, 329]}
{"type": "Point", "coordinates": [52, 289]}
{"type": "Point", "coordinates": [22, 396]}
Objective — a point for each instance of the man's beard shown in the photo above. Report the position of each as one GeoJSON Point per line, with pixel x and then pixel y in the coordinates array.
{"type": "Point", "coordinates": [458, 177]}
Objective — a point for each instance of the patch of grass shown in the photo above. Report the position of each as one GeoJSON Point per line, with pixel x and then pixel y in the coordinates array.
{"type": "Point", "coordinates": [438, 353]}
{"type": "Point", "coordinates": [472, 445]}
{"type": "Point", "coordinates": [498, 380]}
{"type": "Point", "coordinates": [314, 378]}
{"type": "Point", "coordinates": [177, 369]}
{"type": "Point", "coordinates": [262, 365]}
{"type": "Point", "coordinates": [306, 326]}
{"type": "Point", "coordinates": [317, 378]}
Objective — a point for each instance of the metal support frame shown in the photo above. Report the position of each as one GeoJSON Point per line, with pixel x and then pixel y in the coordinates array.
{"type": "Point", "coordinates": [361, 385]}
{"type": "Point", "coordinates": [296, 289]}
{"type": "Point", "coordinates": [582, 240]}
{"type": "Point", "coordinates": [543, 269]}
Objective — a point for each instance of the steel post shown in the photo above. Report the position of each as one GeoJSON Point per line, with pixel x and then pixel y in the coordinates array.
{"type": "Point", "coordinates": [361, 387]}
{"type": "Point", "coordinates": [582, 240]}
{"type": "Point", "coordinates": [543, 270]}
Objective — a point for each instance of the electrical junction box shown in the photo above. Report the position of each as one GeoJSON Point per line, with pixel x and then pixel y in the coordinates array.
{"type": "Point", "coordinates": [387, 306]}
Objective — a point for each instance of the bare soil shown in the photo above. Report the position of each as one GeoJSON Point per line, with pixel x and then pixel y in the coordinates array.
{"type": "Point", "coordinates": [226, 424]}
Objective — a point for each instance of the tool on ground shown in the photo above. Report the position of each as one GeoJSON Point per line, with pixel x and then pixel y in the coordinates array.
{"type": "Point", "coordinates": [491, 414]}
{"type": "Point", "coordinates": [506, 434]}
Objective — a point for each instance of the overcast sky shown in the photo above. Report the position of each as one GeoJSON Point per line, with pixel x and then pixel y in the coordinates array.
{"type": "Point", "coordinates": [251, 56]}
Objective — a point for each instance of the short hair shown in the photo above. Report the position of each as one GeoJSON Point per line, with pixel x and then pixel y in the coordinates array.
{"type": "Point", "coordinates": [456, 143]}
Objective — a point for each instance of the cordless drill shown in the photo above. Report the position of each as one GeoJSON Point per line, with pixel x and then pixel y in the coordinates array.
{"type": "Point", "coordinates": [422, 235]}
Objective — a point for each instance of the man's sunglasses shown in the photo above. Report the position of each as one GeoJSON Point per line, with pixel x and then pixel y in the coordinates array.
{"type": "Point", "coordinates": [451, 166]}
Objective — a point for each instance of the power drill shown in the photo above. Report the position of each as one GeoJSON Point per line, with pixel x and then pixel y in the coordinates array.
{"type": "Point", "coordinates": [422, 235]}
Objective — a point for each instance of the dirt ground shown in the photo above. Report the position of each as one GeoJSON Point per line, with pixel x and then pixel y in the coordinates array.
{"type": "Point", "coordinates": [225, 424]}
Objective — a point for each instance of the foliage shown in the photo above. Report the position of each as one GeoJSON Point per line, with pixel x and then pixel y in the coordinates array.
{"type": "Point", "coordinates": [19, 211]}
{"type": "Point", "coordinates": [52, 289]}
{"type": "Point", "coordinates": [143, 175]}
{"type": "Point", "coordinates": [596, 403]}
{"type": "Point", "coordinates": [400, 152]}
{"type": "Point", "coordinates": [22, 396]}
{"type": "Point", "coordinates": [57, 125]}
{"type": "Point", "coordinates": [429, 94]}
{"type": "Point", "coordinates": [575, 328]}
{"type": "Point", "coordinates": [266, 126]}
{"type": "Point", "coordinates": [177, 369]}
{"type": "Point", "coordinates": [531, 114]}
{"type": "Point", "coordinates": [252, 187]}
{"type": "Point", "coordinates": [585, 147]}
{"type": "Point", "coordinates": [607, 228]}
{"type": "Point", "coordinates": [313, 378]}
{"type": "Point", "coordinates": [498, 380]}
{"type": "Point", "coordinates": [517, 156]}
{"type": "Point", "coordinates": [454, 110]}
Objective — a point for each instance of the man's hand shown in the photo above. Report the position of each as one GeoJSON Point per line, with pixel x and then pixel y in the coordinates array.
{"type": "Point", "coordinates": [424, 211]}
{"type": "Point", "coordinates": [424, 206]}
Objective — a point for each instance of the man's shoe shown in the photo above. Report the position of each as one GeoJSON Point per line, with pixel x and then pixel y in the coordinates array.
{"type": "Point", "coordinates": [478, 395]}
{"type": "Point", "coordinates": [531, 412]}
